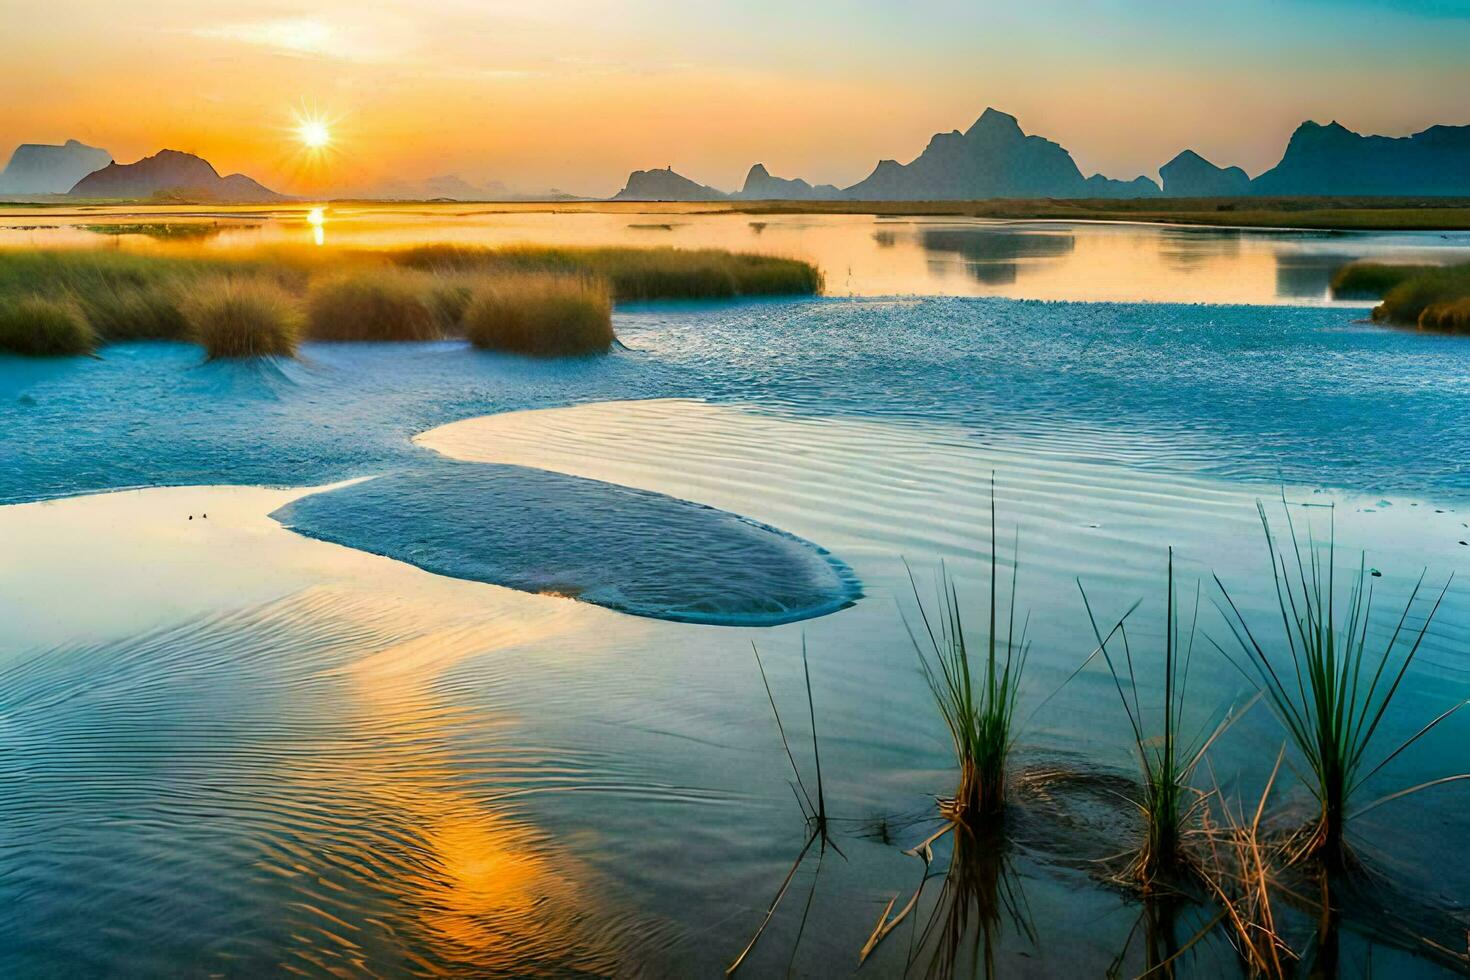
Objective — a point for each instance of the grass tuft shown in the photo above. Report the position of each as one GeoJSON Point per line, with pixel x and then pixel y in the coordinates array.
{"type": "Point", "coordinates": [1330, 679]}
{"type": "Point", "coordinates": [233, 317]}
{"type": "Point", "coordinates": [1167, 757]}
{"type": "Point", "coordinates": [977, 701]}
{"type": "Point", "coordinates": [38, 326]}
{"type": "Point", "coordinates": [549, 314]}
{"type": "Point", "coordinates": [634, 273]}
{"type": "Point", "coordinates": [369, 304]}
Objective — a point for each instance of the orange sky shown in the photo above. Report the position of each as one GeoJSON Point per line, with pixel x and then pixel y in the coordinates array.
{"type": "Point", "coordinates": [575, 93]}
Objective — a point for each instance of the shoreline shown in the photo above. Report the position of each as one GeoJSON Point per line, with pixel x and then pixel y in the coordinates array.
{"type": "Point", "coordinates": [1282, 214]}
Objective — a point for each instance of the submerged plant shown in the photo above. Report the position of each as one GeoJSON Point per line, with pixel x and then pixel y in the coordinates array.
{"type": "Point", "coordinates": [813, 804]}
{"type": "Point", "coordinates": [1328, 680]}
{"type": "Point", "coordinates": [1167, 757]}
{"type": "Point", "coordinates": [976, 700]}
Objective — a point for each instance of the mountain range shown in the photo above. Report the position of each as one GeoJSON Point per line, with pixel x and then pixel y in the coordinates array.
{"type": "Point", "coordinates": [38, 168]}
{"type": "Point", "coordinates": [995, 158]}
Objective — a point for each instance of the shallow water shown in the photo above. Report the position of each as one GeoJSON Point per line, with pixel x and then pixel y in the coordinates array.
{"type": "Point", "coordinates": [230, 748]}
{"type": "Point", "coordinates": [859, 255]}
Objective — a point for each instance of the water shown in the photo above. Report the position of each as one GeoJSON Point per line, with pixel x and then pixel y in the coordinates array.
{"type": "Point", "coordinates": [230, 748]}
{"type": "Point", "coordinates": [860, 255]}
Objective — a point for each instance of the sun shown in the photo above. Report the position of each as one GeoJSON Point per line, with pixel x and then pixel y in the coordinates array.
{"type": "Point", "coordinates": [314, 134]}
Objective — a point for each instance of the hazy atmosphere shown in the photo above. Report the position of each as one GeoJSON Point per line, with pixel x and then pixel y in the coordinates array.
{"type": "Point", "coordinates": [574, 94]}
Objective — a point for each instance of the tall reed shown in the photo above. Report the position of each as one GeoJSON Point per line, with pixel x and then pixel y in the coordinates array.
{"type": "Point", "coordinates": [1329, 679]}
{"type": "Point", "coordinates": [1167, 756]}
{"type": "Point", "coordinates": [977, 701]}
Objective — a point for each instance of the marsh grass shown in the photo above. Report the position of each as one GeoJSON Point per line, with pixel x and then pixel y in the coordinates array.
{"type": "Point", "coordinates": [552, 314]}
{"type": "Point", "coordinates": [1406, 302]}
{"type": "Point", "coordinates": [1329, 679]}
{"type": "Point", "coordinates": [1168, 756]}
{"type": "Point", "coordinates": [812, 800]}
{"type": "Point", "coordinates": [38, 326]}
{"type": "Point", "coordinates": [237, 317]}
{"type": "Point", "coordinates": [414, 294]}
{"type": "Point", "coordinates": [1450, 317]}
{"type": "Point", "coordinates": [1370, 280]}
{"type": "Point", "coordinates": [369, 304]}
{"type": "Point", "coordinates": [151, 311]}
{"type": "Point", "coordinates": [976, 700]}
{"type": "Point", "coordinates": [634, 273]}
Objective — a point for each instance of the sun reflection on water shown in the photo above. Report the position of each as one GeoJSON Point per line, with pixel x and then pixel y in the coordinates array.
{"type": "Point", "coordinates": [317, 218]}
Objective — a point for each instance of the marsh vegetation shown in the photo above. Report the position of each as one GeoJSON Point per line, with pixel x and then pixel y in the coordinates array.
{"type": "Point", "coordinates": [528, 300]}
{"type": "Point", "coordinates": [1240, 869]}
{"type": "Point", "coordinates": [1428, 297]}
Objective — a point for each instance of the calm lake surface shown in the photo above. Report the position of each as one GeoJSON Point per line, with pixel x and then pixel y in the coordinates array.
{"type": "Point", "coordinates": [454, 718]}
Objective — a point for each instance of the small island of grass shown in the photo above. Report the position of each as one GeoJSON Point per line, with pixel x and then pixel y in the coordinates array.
{"type": "Point", "coordinates": [525, 299]}
{"type": "Point", "coordinates": [1427, 297]}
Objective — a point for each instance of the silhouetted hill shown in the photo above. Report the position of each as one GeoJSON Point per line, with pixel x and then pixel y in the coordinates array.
{"type": "Point", "coordinates": [38, 168]}
{"type": "Point", "coordinates": [1099, 186]}
{"type": "Point", "coordinates": [761, 186]}
{"type": "Point", "coordinates": [665, 185]}
{"type": "Point", "coordinates": [1191, 175]}
{"type": "Point", "coordinates": [993, 158]}
{"type": "Point", "coordinates": [1333, 159]}
{"type": "Point", "coordinates": [173, 175]}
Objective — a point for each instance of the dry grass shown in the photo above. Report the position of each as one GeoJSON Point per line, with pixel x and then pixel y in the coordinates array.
{"type": "Point", "coordinates": [37, 326]}
{"type": "Point", "coordinates": [369, 304]}
{"type": "Point", "coordinates": [235, 317]}
{"type": "Point", "coordinates": [1240, 868]}
{"type": "Point", "coordinates": [549, 314]}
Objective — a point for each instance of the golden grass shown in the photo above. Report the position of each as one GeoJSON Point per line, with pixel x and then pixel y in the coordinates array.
{"type": "Point", "coordinates": [37, 326]}
{"type": "Point", "coordinates": [235, 317]}
{"type": "Point", "coordinates": [549, 314]}
{"type": "Point", "coordinates": [1439, 287]}
{"type": "Point", "coordinates": [634, 273]}
{"type": "Point", "coordinates": [1450, 317]}
{"type": "Point", "coordinates": [369, 304]}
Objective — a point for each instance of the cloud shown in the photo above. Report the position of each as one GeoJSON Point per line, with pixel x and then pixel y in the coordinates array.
{"type": "Point", "coordinates": [307, 37]}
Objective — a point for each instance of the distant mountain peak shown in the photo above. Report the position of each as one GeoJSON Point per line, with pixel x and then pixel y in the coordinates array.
{"type": "Point", "coordinates": [665, 185]}
{"type": "Point", "coordinates": [172, 174]}
{"type": "Point", "coordinates": [38, 168]}
{"type": "Point", "coordinates": [1191, 175]}
{"type": "Point", "coordinates": [993, 121]}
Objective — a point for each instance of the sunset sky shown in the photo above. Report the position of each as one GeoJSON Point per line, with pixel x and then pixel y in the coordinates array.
{"type": "Point", "coordinates": [575, 93]}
